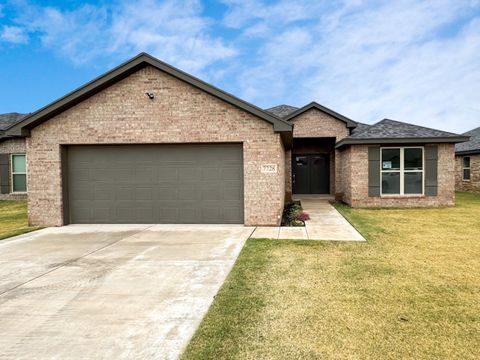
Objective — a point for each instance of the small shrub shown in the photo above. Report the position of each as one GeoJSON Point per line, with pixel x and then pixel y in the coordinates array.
{"type": "Point", "coordinates": [303, 216]}
{"type": "Point", "coordinates": [293, 215]}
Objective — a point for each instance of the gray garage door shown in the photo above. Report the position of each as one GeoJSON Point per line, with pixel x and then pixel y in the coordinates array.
{"type": "Point", "coordinates": [155, 184]}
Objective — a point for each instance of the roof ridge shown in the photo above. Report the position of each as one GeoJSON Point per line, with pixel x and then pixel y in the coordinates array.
{"type": "Point", "coordinates": [419, 126]}
{"type": "Point", "coordinates": [313, 104]}
{"type": "Point", "coordinates": [471, 131]}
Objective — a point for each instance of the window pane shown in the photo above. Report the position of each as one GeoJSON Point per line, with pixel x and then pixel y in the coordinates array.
{"type": "Point", "coordinates": [391, 183]}
{"type": "Point", "coordinates": [413, 159]}
{"type": "Point", "coordinates": [466, 161]}
{"type": "Point", "coordinates": [20, 182]}
{"type": "Point", "coordinates": [18, 163]}
{"type": "Point", "coordinates": [466, 174]}
{"type": "Point", "coordinates": [390, 159]}
{"type": "Point", "coordinates": [413, 183]}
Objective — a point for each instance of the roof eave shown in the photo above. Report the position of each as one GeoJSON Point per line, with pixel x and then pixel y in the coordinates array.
{"type": "Point", "coordinates": [468, 152]}
{"type": "Point", "coordinates": [23, 127]}
{"type": "Point", "coordinates": [400, 140]}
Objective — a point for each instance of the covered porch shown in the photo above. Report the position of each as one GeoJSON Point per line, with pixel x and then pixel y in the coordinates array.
{"type": "Point", "coordinates": [313, 166]}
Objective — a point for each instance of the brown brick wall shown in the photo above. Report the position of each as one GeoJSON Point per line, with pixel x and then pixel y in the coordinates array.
{"type": "Point", "coordinates": [474, 183]}
{"type": "Point", "coordinates": [355, 181]}
{"type": "Point", "coordinates": [13, 146]}
{"type": "Point", "coordinates": [343, 176]}
{"type": "Point", "coordinates": [288, 175]}
{"type": "Point", "coordinates": [314, 123]}
{"type": "Point", "coordinates": [123, 114]}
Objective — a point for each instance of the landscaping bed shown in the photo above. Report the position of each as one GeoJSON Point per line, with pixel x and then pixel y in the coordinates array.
{"type": "Point", "coordinates": [293, 214]}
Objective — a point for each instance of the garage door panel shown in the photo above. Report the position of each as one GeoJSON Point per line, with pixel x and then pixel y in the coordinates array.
{"type": "Point", "coordinates": [166, 193]}
{"type": "Point", "coordinates": [210, 173]}
{"type": "Point", "coordinates": [144, 193]}
{"type": "Point", "coordinates": [84, 191]}
{"type": "Point", "coordinates": [189, 174]}
{"type": "Point", "coordinates": [144, 174]}
{"type": "Point", "coordinates": [155, 183]}
{"type": "Point", "coordinates": [230, 214]}
{"type": "Point", "coordinates": [230, 173]}
{"type": "Point", "coordinates": [81, 174]}
{"type": "Point", "coordinates": [101, 213]}
{"type": "Point", "coordinates": [167, 173]}
{"type": "Point", "coordinates": [83, 214]}
{"type": "Point", "coordinates": [231, 194]}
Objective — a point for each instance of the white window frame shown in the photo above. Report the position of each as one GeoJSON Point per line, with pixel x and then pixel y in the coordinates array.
{"type": "Point", "coordinates": [402, 171]}
{"type": "Point", "coordinates": [18, 173]}
{"type": "Point", "coordinates": [466, 168]}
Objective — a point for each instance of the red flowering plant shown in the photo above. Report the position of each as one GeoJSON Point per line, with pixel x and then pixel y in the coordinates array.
{"type": "Point", "coordinates": [293, 215]}
{"type": "Point", "coordinates": [303, 216]}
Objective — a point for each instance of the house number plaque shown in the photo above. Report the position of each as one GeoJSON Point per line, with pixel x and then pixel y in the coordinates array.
{"type": "Point", "coordinates": [269, 168]}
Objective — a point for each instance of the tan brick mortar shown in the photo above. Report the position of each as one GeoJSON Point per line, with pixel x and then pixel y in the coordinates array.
{"type": "Point", "coordinates": [123, 114]}
{"type": "Point", "coordinates": [315, 123]}
{"type": "Point", "coordinates": [355, 181]}
{"type": "Point", "coordinates": [474, 183]}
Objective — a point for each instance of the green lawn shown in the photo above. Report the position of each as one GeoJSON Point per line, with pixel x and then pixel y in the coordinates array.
{"type": "Point", "coordinates": [13, 219]}
{"type": "Point", "coordinates": [412, 291]}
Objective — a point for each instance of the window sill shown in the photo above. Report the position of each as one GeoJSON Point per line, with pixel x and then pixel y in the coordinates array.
{"type": "Point", "coordinates": [19, 192]}
{"type": "Point", "coordinates": [403, 196]}
{"type": "Point", "coordinates": [465, 180]}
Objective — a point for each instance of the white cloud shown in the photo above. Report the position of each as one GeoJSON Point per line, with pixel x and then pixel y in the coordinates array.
{"type": "Point", "coordinates": [13, 34]}
{"type": "Point", "coordinates": [173, 30]}
{"type": "Point", "coordinates": [413, 61]}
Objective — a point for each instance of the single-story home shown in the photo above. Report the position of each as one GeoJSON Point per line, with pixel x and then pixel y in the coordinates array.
{"type": "Point", "coordinates": [467, 155]}
{"type": "Point", "coordinates": [148, 143]}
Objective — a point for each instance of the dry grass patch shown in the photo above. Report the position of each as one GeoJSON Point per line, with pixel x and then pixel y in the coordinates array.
{"type": "Point", "coordinates": [411, 291]}
{"type": "Point", "coordinates": [13, 219]}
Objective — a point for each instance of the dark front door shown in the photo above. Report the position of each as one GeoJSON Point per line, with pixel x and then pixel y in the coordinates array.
{"type": "Point", "coordinates": [311, 174]}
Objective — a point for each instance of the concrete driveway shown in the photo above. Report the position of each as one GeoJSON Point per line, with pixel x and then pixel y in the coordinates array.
{"type": "Point", "coordinates": [110, 291]}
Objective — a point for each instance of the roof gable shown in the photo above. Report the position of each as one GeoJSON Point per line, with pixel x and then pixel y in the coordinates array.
{"type": "Point", "coordinates": [472, 146]}
{"type": "Point", "coordinates": [122, 71]}
{"type": "Point", "coordinates": [314, 105]}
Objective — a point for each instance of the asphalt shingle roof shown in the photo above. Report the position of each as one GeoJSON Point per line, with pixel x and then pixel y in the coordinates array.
{"type": "Point", "coordinates": [361, 127]}
{"type": "Point", "coordinates": [472, 145]}
{"type": "Point", "coordinates": [6, 120]}
{"type": "Point", "coordinates": [282, 110]}
{"type": "Point", "coordinates": [387, 128]}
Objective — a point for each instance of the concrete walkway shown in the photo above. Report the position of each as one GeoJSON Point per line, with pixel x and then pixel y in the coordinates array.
{"type": "Point", "coordinates": [325, 223]}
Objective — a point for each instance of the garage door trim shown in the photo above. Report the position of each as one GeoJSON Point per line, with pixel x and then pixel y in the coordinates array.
{"type": "Point", "coordinates": [202, 212]}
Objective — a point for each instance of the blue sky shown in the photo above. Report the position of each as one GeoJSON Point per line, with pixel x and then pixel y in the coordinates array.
{"type": "Point", "coordinates": [409, 60]}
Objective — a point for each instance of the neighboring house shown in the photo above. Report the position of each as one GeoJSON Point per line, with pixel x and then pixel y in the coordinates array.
{"type": "Point", "coordinates": [467, 157]}
{"type": "Point", "coordinates": [148, 143]}
{"type": "Point", "coordinates": [13, 179]}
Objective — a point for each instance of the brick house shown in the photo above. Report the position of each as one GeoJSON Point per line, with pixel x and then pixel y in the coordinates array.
{"type": "Point", "coordinates": [467, 159]}
{"type": "Point", "coordinates": [148, 143]}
